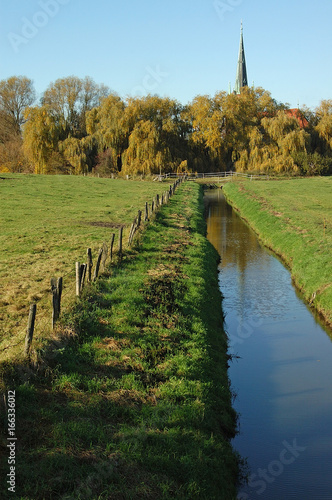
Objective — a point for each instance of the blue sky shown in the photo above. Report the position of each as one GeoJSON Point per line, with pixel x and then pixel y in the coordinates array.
{"type": "Point", "coordinates": [175, 48]}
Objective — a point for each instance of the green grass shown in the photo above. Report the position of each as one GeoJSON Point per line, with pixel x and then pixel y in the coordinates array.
{"type": "Point", "coordinates": [294, 218]}
{"type": "Point", "coordinates": [137, 404]}
{"type": "Point", "coordinates": [47, 223]}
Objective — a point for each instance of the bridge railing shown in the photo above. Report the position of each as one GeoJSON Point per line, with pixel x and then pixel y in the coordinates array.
{"type": "Point", "coordinates": [207, 175]}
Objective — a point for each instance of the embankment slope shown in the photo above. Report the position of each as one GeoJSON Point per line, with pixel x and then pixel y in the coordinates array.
{"type": "Point", "coordinates": [293, 218]}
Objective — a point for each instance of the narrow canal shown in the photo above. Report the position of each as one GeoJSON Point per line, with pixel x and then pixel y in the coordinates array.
{"type": "Point", "coordinates": [281, 371]}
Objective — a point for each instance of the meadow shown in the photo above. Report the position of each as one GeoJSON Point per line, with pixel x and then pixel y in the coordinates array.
{"type": "Point", "coordinates": [137, 402]}
{"type": "Point", "coordinates": [294, 218]}
{"type": "Point", "coordinates": [47, 224]}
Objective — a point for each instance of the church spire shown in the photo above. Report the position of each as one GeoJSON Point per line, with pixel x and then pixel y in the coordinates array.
{"type": "Point", "coordinates": [241, 73]}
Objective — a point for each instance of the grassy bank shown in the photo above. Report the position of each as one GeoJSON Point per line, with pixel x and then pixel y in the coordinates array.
{"type": "Point", "coordinates": [47, 223]}
{"type": "Point", "coordinates": [136, 402]}
{"type": "Point", "coordinates": [294, 218]}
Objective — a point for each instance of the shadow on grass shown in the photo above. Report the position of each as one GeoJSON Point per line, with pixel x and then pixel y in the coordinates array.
{"type": "Point", "coordinates": [137, 404]}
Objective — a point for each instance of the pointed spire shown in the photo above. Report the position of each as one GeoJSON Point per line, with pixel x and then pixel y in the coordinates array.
{"type": "Point", "coordinates": [241, 73]}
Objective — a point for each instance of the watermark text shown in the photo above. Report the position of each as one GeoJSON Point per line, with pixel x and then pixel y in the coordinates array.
{"type": "Point", "coordinates": [262, 478]}
{"type": "Point", "coordinates": [11, 440]}
{"type": "Point", "coordinates": [224, 7]}
{"type": "Point", "coordinates": [30, 27]}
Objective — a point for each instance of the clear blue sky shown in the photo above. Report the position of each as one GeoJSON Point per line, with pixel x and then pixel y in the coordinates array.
{"type": "Point", "coordinates": [175, 48]}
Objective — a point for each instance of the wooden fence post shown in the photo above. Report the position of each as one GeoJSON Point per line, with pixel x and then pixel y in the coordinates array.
{"type": "Point", "coordinates": [139, 218]}
{"type": "Point", "coordinates": [152, 206]}
{"type": "Point", "coordinates": [104, 256]}
{"type": "Point", "coordinates": [131, 233]}
{"type": "Point", "coordinates": [120, 243]}
{"type": "Point", "coordinates": [89, 264]}
{"type": "Point", "coordinates": [146, 214]}
{"type": "Point", "coordinates": [56, 287]}
{"type": "Point", "coordinates": [30, 328]}
{"type": "Point", "coordinates": [95, 276]}
{"type": "Point", "coordinates": [157, 200]}
{"type": "Point", "coordinates": [59, 286]}
{"type": "Point", "coordinates": [111, 249]}
{"type": "Point", "coordinates": [82, 275]}
{"type": "Point", "coordinates": [78, 278]}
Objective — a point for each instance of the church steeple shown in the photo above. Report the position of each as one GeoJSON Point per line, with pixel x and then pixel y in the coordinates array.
{"type": "Point", "coordinates": [241, 73]}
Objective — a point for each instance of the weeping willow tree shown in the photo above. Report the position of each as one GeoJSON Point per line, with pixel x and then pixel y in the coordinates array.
{"type": "Point", "coordinates": [227, 131]}
{"type": "Point", "coordinates": [107, 124]}
{"type": "Point", "coordinates": [206, 142]}
{"type": "Point", "coordinates": [42, 133]}
{"type": "Point", "coordinates": [81, 126]}
{"type": "Point", "coordinates": [324, 126]}
{"type": "Point", "coordinates": [146, 134]}
{"type": "Point", "coordinates": [75, 153]}
{"type": "Point", "coordinates": [246, 141]}
{"type": "Point", "coordinates": [55, 135]}
{"type": "Point", "coordinates": [286, 139]}
{"type": "Point", "coordinates": [156, 135]}
{"type": "Point", "coordinates": [143, 155]}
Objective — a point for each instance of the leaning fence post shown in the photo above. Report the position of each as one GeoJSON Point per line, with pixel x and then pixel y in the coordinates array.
{"type": "Point", "coordinates": [59, 286]}
{"type": "Point", "coordinates": [82, 275]}
{"type": "Point", "coordinates": [89, 264]}
{"type": "Point", "coordinates": [139, 218]}
{"type": "Point", "coordinates": [81, 271]}
{"type": "Point", "coordinates": [95, 276]}
{"type": "Point", "coordinates": [30, 328]}
{"type": "Point", "coordinates": [104, 256]}
{"type": "Point", "coordinates": [120, 242]}
{"type": "Point", "coordinates": [132, 229]}
{"type": "Point", "coordinates": [111, 249]}
{"type": "Point", "coordinates": [54, 301]}
{"type": "Point", "coordinates": [78, 278]}
{"type": "Point", "coordinates": [56, 286]}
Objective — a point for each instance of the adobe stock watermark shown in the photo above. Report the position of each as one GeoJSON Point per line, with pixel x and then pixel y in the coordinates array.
{"type": "Point", "coordinates": [11, 441]}
{"type": "Point", "coordinates": [151, 81]}
{"type": "Point", "coordinates": [30, 27]}
{"type": "Point", "coordinates": [224, 7]}
{"type": "Point", "coordinates": [244, 331]}
{"type": "Point", "coordinates": [246, 328]}
{"type": "Point", "coordinates": [260, 481]}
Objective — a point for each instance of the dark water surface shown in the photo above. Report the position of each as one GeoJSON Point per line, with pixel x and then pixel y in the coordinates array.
{"type": "Point", "coordinates": [283, 376]}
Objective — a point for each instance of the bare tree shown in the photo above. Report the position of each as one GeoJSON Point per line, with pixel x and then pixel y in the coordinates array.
{"type": "Point", "coordinates": [16, 94]}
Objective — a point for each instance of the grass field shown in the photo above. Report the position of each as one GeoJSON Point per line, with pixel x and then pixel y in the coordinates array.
{"type": "Point", "coordinates": [47, 223]}
{"type": "Point", "coordinates": [137, 403]}
{"type": "Point", "coordinates": [294, 218]}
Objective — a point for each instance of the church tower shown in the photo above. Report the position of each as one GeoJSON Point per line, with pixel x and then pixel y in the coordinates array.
{"type": "Point", "coordinates": [241, 73]}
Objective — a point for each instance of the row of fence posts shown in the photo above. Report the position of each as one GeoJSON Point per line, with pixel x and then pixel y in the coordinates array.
{"type": "Point", "coordinates": [84, 271]}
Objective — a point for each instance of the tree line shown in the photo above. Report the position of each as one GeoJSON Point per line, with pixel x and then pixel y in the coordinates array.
{"type": "Point", "coordinates": [79, 126]}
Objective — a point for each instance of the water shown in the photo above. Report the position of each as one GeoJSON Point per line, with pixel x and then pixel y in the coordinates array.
{"type": "Point", "coordinates": [281, 370]}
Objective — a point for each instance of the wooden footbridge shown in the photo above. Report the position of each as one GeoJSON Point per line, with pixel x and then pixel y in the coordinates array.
{"type": "Point", "coordinates": [211, 177]}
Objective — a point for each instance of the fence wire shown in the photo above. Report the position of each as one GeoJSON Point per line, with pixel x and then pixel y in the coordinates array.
{"type": "Point", "coordinates": [43, 320]}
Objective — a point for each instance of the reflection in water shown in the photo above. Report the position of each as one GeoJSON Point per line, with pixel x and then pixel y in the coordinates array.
{"type": "Point", "coordinates": [283, 376]}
